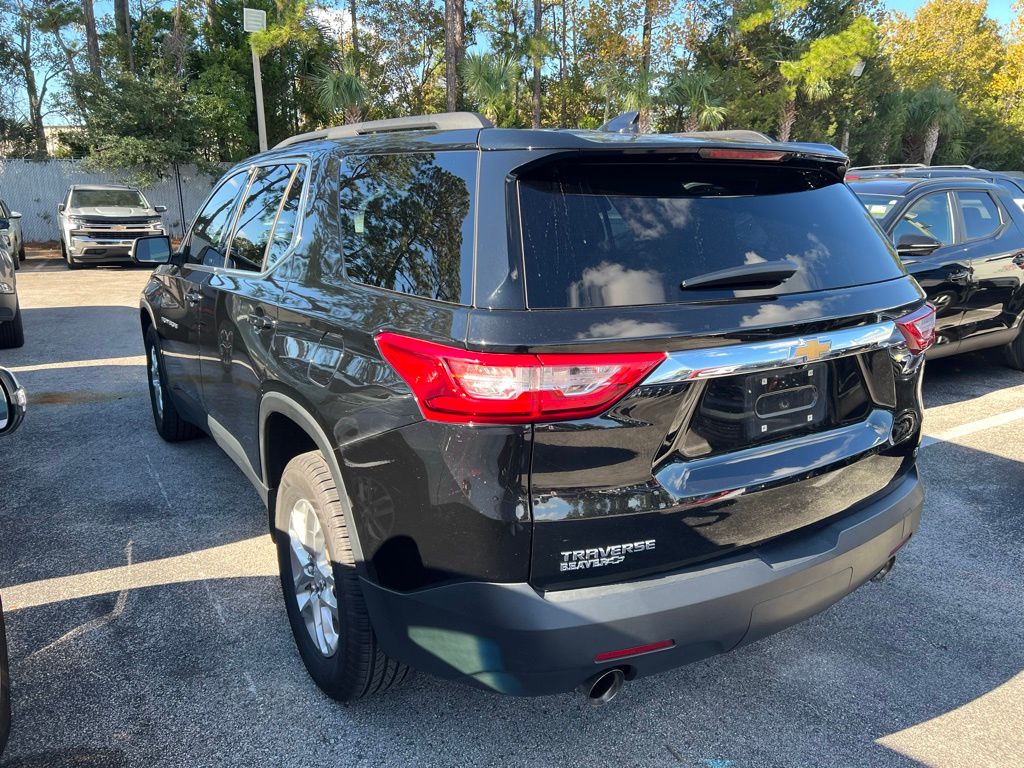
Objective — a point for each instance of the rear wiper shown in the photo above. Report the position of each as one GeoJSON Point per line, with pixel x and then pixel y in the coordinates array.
{"type": "Point", "coordinates": [746, 275]}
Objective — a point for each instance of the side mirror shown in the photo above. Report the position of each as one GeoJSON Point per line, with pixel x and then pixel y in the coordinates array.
{"type": "Point", "coordinates": [12, 402]}
{"type": "Point", "coordinates": [916, 245]}
{"type": "Point", "coordinates": [15, 214]}
{"type": "Point", "coordinates": [160, 208]}
{"type": "Point", "coordinates": [152, 250]}
{"type": "Point", "coordinates": [60, 208]}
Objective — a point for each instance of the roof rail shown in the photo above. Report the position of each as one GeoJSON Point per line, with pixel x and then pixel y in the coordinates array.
{"type": "Point", "coordinates": [890, 166]}
{"type": "Point", "coordinates": [733, 135]}
{"type": "Point", "coordinates": [953, 167]}
{"type": "Point", "coordinates": [444, 121]}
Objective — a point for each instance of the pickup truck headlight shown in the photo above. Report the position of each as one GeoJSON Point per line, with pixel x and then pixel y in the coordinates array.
{"type": "Point", "coordinates": [6, 287]}
{"type": "Point", "coordinates": [77, 220]}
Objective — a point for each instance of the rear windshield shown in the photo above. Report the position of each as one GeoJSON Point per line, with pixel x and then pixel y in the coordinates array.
{"type": "Point", "coordinates": [612, 234]}
{"type": "Point", "coordinates": [110, 198]}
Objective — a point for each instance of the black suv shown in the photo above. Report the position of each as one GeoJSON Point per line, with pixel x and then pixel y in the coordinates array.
{"type": "Point", "coordinates": [963, 240]}
{"type": "Point", "coordinates": [543, 409]}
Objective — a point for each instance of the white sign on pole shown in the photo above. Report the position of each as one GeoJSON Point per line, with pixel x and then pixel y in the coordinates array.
{"type": "Point", "coordinates": [254, 20]}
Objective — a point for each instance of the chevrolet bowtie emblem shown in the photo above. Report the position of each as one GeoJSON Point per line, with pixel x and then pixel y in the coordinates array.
{"type": "Point", "coordinates": [812, 350]}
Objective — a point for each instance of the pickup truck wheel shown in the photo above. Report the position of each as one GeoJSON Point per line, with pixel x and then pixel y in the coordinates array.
{"type": "Point", "coordinates": [1014, 351]}
{"type": "Point", "coordinates": [69, 262]}
{"type": "Point", "coordinates": [12, 333]}
{"type": "Point", "coordinates": [169, 423]}
{"type": "Point", "coordinates": [325, 604]}
{"type": "Point", "coordinates": [21, 252]}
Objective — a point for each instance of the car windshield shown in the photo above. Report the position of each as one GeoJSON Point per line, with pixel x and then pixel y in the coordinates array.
{"type": "Point", "coordinates": [595, 235]}
{"type": "Point", "coordinates": [878, 205]}
{"type": "Point", "coordinates": [107, 198]}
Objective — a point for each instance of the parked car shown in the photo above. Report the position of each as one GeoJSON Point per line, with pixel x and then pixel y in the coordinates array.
{"type": "Point", "coordinates": [12, 411]}
{"type": "Point", "coordinates": [100, 222]}
{"type": "Point", "coordinates": [1012, 183]}
{"type": "Point", "coordinates": [543, 409]}
{"type": "Point", "coordinates": [10, 225]}
{"type": "Point", "coordinates": [963, 239]}
{"type": "Point", "coordinates": [12, 333]}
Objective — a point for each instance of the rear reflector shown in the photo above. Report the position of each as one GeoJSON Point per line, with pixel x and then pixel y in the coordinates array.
{"type": "Point", "coordinates": [918, 328]}
{"type": "Point", "coordinates": [742, 154]}
{"type": "Point", "coordinates": [461, 386]}
{"type": "Point", "coordinates": [634, 651]}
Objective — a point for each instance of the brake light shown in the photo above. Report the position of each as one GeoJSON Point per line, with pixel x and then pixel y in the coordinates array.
{"type": "Point", "coordinates": [457, 385]}
{"type": "Point", "coordinates": [918, 328]}
{"type": "Point", "coordinates": [742, 154]}
{"type": "Point", "coordinates": [851, 177]}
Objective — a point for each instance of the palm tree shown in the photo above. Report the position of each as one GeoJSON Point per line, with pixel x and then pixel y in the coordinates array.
{"type": "Point", "coordinates": [932, 113]}
{"type": "Point", "coordinates": [693, 93]}
{"type": "Point", "coordinates": [490, 81]}
{"type": "Point", "coordinates": [639, 96]}
{"type": "Point", "coordinates": [342, 91]}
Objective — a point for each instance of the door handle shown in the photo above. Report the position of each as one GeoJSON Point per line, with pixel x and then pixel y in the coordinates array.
{"type": "Point", "coordinates": [261, 322]}
{"type": "Point", "coordinates": [193, 297]}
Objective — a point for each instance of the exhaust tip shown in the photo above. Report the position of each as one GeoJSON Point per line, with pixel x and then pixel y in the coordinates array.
{"type": "Point", "coordinates": [885, 569]}
{"type": "Point", "coordinates": [603, 687]}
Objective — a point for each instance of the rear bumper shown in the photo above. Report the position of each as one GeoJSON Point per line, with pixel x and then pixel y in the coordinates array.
{"type": "Point", "coordinates": [511, 639]}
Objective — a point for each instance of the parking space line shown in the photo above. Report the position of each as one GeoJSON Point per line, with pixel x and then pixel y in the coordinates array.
{"type": "Point", "coordinates": [971, 427]}
{"type": "Point", "coordinates": [133, 360]}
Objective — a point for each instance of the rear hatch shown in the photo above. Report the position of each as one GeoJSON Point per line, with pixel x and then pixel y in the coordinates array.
{"type": "Point", "coordinates": [771, 293]}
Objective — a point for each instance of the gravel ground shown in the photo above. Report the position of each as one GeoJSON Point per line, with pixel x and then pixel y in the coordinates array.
{"type": "Point", "coordinates": [147, 628]}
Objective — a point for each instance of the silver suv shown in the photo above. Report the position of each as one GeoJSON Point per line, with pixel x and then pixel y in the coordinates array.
{"type": "Point", "coordinates": [100, 222]}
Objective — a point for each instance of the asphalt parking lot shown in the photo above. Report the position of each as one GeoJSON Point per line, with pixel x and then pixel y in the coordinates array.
{"type": "Point", "coordinates": [146, 624]}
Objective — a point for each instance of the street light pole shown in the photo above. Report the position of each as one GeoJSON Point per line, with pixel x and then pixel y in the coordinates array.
{"type": "Point", "coordinates": [254, 20]}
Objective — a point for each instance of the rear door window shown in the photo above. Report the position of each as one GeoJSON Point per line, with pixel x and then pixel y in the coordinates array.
{"type": "Point", "coordinates": [981, 214]}
{"type": "Point", "coordinates": [407, 222]}
{"type": "Point", "coordinates": [932, 215]}
{"type": "Point", "coordinates": [257, 215]}
{"type": "Point", "coordinates": [615, 234]}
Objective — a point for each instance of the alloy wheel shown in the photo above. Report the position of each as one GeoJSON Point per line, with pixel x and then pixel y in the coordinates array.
{"type": "Point", "coordinates": [154, 382]}
{"type": "Point", "coordinates": [313, 577]}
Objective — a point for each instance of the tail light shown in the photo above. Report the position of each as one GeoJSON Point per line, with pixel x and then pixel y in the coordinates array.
{"type": "Point", "coordinates": [457, 385]}
{"type": "Point", "coordinates": [918, 328]}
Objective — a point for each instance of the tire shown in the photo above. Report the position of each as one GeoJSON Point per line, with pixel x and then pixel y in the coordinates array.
{"type": "Point", "coordinates": [69, 262]}
{"type": "Point", "coordinates": [1014, 351]}
{"type": "Point", "coordinates": [355, 667]}
{"type": "Point", "coordinates": [12, 333]}
{"type": "Point", "coordinates": [16, 262]}
{"type": "Point", "coordinates": [169, 423]}
{"type": "Point", "coordinates": [21, 252]}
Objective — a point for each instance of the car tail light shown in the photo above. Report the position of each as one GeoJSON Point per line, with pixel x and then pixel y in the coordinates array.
{"type": "Point", "coordinates": [742, 154]}
{"type": "Point", "coordinates": [458, 385]}
{"type": "Point", "coordinates": [634, 651]}
{"type": "Point", "coordinates": [918, 328]}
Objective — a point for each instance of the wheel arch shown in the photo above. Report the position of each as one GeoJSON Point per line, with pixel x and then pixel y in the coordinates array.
{"type": "Point", "coordinates": [294, 430]}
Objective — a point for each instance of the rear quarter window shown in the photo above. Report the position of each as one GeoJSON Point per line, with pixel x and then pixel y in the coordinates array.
{"type": "Point", "coordinates": [407, 222]}
{"type": "Point", "coordinates": [616, 234]}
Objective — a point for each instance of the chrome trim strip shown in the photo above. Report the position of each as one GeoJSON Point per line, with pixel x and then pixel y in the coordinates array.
{"type": "Point", "coordinates": [714, 362]}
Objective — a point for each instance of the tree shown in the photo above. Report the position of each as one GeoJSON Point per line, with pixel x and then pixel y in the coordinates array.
{"type": "Point", "coordinates": [931, 114]}
{"type": "Point", "coordinates": [454, 50]}
{"type": "Point", "coordinates": [36, 61]}
{"type": "Point", "coordinates": [950, 44]}
{"type": "Point", "coordinates": [92, 42]}
{"type": "Point", "coordinates": [490, 82]}
{"type": "Point", "coordinates": [342, 91]}
{"type": "Point", "coordinates": [692, 94]}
